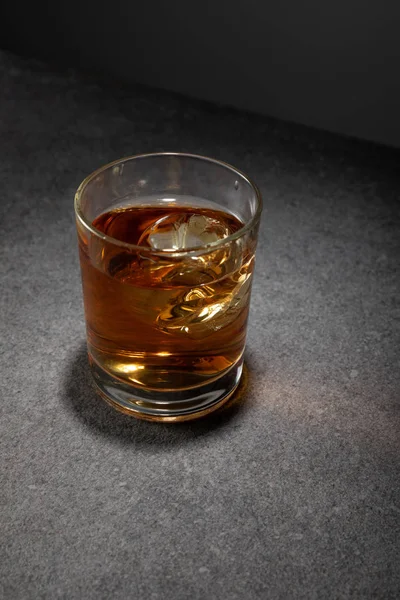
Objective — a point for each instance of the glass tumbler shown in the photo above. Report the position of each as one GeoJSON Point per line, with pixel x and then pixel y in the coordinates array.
{"type": "Point", "coordinates": [167, 247]}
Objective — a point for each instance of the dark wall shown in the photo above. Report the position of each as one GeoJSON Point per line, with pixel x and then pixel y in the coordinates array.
{"type": "Point", "coordinates": [333, 65]}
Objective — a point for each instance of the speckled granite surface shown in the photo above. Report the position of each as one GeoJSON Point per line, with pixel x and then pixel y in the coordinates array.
{"type": "Point", "coordinates": [292, 493]}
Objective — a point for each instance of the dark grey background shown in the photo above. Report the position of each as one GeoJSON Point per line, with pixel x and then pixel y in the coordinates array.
{"type": "Point", "coordinates": [293, 493]}
{"type": "Point", "coordinates": [333, 65]}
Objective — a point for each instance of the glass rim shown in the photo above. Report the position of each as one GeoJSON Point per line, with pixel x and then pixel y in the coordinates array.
{"type": "Point", "coordinates": [194, 250]}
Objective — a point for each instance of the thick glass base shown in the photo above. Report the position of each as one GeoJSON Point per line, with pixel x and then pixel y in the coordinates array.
{"type": "Point", "coordinates": [175, 405]}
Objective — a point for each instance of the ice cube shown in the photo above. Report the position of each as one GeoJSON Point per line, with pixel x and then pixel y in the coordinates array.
{"type": "Point", "coordinates": [203, 310]}
{"type": "Point", "coordinates": [180, 231]}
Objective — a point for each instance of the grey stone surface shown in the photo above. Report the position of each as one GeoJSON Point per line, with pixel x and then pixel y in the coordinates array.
{"type": "Point", "coordinates": [291, 493]}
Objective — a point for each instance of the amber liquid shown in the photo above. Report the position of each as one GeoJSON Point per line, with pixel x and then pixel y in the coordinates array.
{"type": "Point", "coordinates": [165, 321]}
